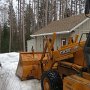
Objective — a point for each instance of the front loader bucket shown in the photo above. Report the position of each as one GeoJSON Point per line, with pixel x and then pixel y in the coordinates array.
{"type": "Point", "coordinates": [29, 66]}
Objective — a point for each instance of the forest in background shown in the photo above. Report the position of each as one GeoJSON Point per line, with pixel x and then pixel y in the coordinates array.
{"type": "Point", "coordinates": [31, 17]}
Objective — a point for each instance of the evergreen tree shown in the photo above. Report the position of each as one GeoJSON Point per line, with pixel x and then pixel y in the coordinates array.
{"type": "Point", "coordinates": [29, 21]}
{"type": "Point", "coordinates": [5, 39]}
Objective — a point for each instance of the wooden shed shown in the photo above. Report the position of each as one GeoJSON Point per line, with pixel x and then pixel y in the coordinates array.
{"type": "Point", "coordinates": [64, 28]}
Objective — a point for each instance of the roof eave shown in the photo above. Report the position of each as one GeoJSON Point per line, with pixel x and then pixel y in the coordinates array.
{"type": "Point", "coordinates": [45, 34]}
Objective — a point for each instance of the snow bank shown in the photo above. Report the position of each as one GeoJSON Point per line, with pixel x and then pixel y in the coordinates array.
{"type": "Point", "coordinates": [8, 79]}
{"type": "Point", "coordinates": [9, 57]}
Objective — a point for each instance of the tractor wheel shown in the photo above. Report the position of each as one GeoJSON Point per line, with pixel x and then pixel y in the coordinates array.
{"type": "Point", "coordinates": [51, 80]}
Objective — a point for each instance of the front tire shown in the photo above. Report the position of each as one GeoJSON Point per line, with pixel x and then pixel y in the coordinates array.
{"type": "Point", "coordinates": [51, 80]}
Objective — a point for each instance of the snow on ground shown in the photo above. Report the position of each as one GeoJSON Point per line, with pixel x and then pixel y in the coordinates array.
{"type": "Point", "coordinates": [8, 79]}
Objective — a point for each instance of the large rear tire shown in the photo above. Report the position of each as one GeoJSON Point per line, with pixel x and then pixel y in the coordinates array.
{"type": "Point", "coordinates": [51, 80]}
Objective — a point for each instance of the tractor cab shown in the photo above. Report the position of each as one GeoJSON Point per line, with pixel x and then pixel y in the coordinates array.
{"type": "Point", "coordinates": [87, 8]}
{"type": "Point", "coordinates": [87, 52]}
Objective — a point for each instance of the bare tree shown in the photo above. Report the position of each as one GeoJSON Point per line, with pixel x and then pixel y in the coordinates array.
{"type": "Point", "coordinates": [21, 32]}
{"type": "Point", "coordinates": [13, 28]}
{"type": "Point", "coordinates": [23, 25]}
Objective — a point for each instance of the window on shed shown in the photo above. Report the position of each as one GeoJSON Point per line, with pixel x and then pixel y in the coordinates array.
{"type": "Point", "coordinates": [63, 41]}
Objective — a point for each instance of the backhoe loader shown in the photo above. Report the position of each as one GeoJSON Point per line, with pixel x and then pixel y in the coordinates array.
{"type": "Point", "coordinates": [52, 66]}
{"type": "Point", "coordinates": [67, 68]}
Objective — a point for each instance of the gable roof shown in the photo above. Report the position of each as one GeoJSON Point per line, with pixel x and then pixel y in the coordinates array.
{"type": "Point", "coordinates": [62, 26]}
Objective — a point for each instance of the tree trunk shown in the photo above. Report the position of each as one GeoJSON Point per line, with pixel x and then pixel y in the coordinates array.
{"type": "Point", "coordinates": [46, 13]}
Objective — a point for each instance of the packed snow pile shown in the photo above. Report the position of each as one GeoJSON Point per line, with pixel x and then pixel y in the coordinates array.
{"type": "Point", "coordinates": [8, 79]}
{"type": "Point", "coordinates": [9, 57]}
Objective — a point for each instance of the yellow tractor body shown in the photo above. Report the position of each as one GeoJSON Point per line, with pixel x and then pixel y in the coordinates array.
{"type": "Point", "coordinates": [68, 61]}
{"type": "Point", "coordinates": [75, 82]}
{"type": "Point", "coordinates": [33, 64]}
